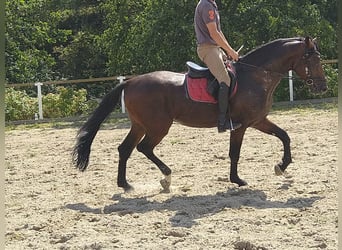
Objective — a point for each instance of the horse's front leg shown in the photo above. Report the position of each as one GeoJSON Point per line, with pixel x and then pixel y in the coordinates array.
{"type": "Point", "coordinates": [268, 127]}
{"type": "Point", "coordinates": [236, 138]}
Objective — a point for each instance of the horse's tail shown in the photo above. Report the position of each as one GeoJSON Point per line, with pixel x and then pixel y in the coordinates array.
{"type": "Point", "coordinates": [87, 132]}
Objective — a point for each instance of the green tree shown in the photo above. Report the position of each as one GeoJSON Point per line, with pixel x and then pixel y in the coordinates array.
{"type": "Point", "coordinates": [53, 39]}
{"type": "Point", "coordinates": [82, 56]}
{"type": "Point", "coordinates": [49, 40]}
{"type": "Point", "coordinates": [148, 36]}
{"type": "Point", "coordinates": [29, 42]}
{"type": "Point", "coordinates": [253, 23]}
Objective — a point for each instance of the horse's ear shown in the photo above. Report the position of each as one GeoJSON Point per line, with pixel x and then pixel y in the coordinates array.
{"type": "Point", "coordinates": [309, 42]}
{"type": "Point", "coordinates": [315, 41]}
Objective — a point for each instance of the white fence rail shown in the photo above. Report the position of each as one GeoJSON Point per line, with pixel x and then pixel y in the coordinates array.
{"type": "Point", "coordinates": [90, 80]}
{"type": "Point", "coordinates": [121, 79]}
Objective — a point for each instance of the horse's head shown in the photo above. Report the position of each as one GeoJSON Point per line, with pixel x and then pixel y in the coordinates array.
{"type": "Point", "coordinates": [309, 67]}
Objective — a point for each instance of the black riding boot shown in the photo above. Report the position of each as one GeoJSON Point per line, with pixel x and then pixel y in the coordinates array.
{"type": "Point", "coordinates": [223, 103]}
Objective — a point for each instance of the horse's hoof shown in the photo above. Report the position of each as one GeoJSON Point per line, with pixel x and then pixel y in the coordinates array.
{"type": "Point", "coordinates": [128, 188]}
{"type": "Point", "coordinates": [239, 181]}
{"type": "Point", "coordinates": [165, 191]}
{"type": "Point", "coordinates": [242, 183]}
{"type": "Point", "coordinates": [166, 183]}
{"type": "Point", "coordinates": [278, 170]}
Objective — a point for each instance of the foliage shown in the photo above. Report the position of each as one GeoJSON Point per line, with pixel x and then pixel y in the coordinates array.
{"type": "Point", "coordinates": [73, 39]}
{"type": "Point", "coordinates": [81, 56]}
{"type": "Point", "coordinates": [302, 92]}
{"type": "Point", "coordinates": [50, 39]}
{"type": "Point", "coordinates": [255, 22]}
{"type": "Point", "coordinates": [18, 105]}
{"type": "Point", "coordinates": [29, 41]}
{"type": "Point", "coordinates": [145, 37]}
{"type": "Point", "coordinates": [64, 103]}
{"type": "Point", "coordinates": [332, 78]}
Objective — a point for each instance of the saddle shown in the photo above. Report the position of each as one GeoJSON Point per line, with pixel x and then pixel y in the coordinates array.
{"type": "Point", "coordinates": [202, 86]}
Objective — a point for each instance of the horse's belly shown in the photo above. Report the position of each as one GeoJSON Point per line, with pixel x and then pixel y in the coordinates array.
{"type": "Point", "coordinates": [198, 115]}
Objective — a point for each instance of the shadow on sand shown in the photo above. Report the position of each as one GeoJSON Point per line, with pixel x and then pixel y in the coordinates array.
{"type": "Point", "coordinates": [190, 208]}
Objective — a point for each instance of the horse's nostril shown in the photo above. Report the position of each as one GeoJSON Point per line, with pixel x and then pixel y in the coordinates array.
{"type": "Point", "coordinates": [309, 82]}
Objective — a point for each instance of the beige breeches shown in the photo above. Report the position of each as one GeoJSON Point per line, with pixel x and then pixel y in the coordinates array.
{"type": "Point", "coordinates": [212, 56]}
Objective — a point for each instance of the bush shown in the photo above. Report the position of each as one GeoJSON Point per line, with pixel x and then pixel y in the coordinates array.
{"type": "Point", "coordinates": [302, 92]}
{"type": "Point", "coordinates": [332, 78]}
{"type": "Point", "coordinates": [64, 103]}
{"type": "Point", "coordinates": [19, 106]}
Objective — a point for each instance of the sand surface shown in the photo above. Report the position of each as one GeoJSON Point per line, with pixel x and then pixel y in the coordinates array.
{"type": "Point", "coordinates": [51, 205]}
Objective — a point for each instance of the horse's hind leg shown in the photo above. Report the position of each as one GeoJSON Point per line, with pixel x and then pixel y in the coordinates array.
{"type": "Point", "coordinates": [125, 150]}
{"type": "Point", "coordinates": [146, 147]}
{"type": "Point", "coordinates": [268, 127]}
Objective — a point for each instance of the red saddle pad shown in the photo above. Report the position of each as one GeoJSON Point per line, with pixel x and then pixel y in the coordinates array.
{"type": "Point", "coordinates": [197, 90]}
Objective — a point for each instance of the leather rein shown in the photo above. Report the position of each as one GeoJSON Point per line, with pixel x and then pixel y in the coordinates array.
{"type": "Point", "coordinates": [307, 54]}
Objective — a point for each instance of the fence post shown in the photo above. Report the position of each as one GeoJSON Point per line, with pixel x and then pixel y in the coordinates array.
{"type": "Point", "coordinates": [291, 85]}
{"type": "Point", "coordinates": [121, 79]}
{"type": "Point", "coordinates": [40, 103]}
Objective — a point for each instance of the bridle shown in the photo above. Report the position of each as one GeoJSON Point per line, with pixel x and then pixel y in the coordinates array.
{"type": "Point", "coordinates": [308, 65]}
{"type": "Point", "coordinates": [308, 53]}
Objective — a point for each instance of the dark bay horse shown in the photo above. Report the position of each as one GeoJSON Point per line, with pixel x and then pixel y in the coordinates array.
{"type": "Point", "coordinates": [155, 100]}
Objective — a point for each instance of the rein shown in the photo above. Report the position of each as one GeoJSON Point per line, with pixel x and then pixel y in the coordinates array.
{"type": "Point", "coordinates": [266, 71]}
{"type": "Point", "coordinates": [307, 54]}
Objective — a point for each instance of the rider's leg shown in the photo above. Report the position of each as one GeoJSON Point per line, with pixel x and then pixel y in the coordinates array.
{"type": "Point", "coordinates": [212, 56]}
{"type": "Point", "coordinates": [223, 104]}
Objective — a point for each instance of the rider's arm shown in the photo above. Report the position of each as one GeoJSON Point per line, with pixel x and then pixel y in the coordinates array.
{"type": "Point", "coordinates": [221, 40]}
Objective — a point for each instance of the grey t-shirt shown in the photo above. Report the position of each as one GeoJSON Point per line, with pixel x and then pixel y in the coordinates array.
{"type": "Point", "coordinates": [206, 12]}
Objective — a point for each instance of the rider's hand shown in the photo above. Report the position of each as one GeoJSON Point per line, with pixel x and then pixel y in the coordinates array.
{"type": "Point", "coordinates": [234, 55]}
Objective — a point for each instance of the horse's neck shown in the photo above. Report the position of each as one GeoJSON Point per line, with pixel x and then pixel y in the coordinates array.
{"type": "Point", "coordinates": [276, 63]}
{"type": "Point", "coordinates": [289, 53]}
{"type": "Point", "coordinates": [276, 58]}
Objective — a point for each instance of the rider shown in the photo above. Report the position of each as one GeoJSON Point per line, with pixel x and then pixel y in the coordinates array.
{"type": "Point", "coordinates": [210, 40]}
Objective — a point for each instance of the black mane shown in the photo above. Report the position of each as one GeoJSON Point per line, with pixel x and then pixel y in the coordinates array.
{"type": "Point", "coordinates": [266, 51]}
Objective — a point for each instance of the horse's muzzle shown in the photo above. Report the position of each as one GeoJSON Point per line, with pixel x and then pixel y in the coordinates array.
{"type": "Point", "coordinates": [317, 86]}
